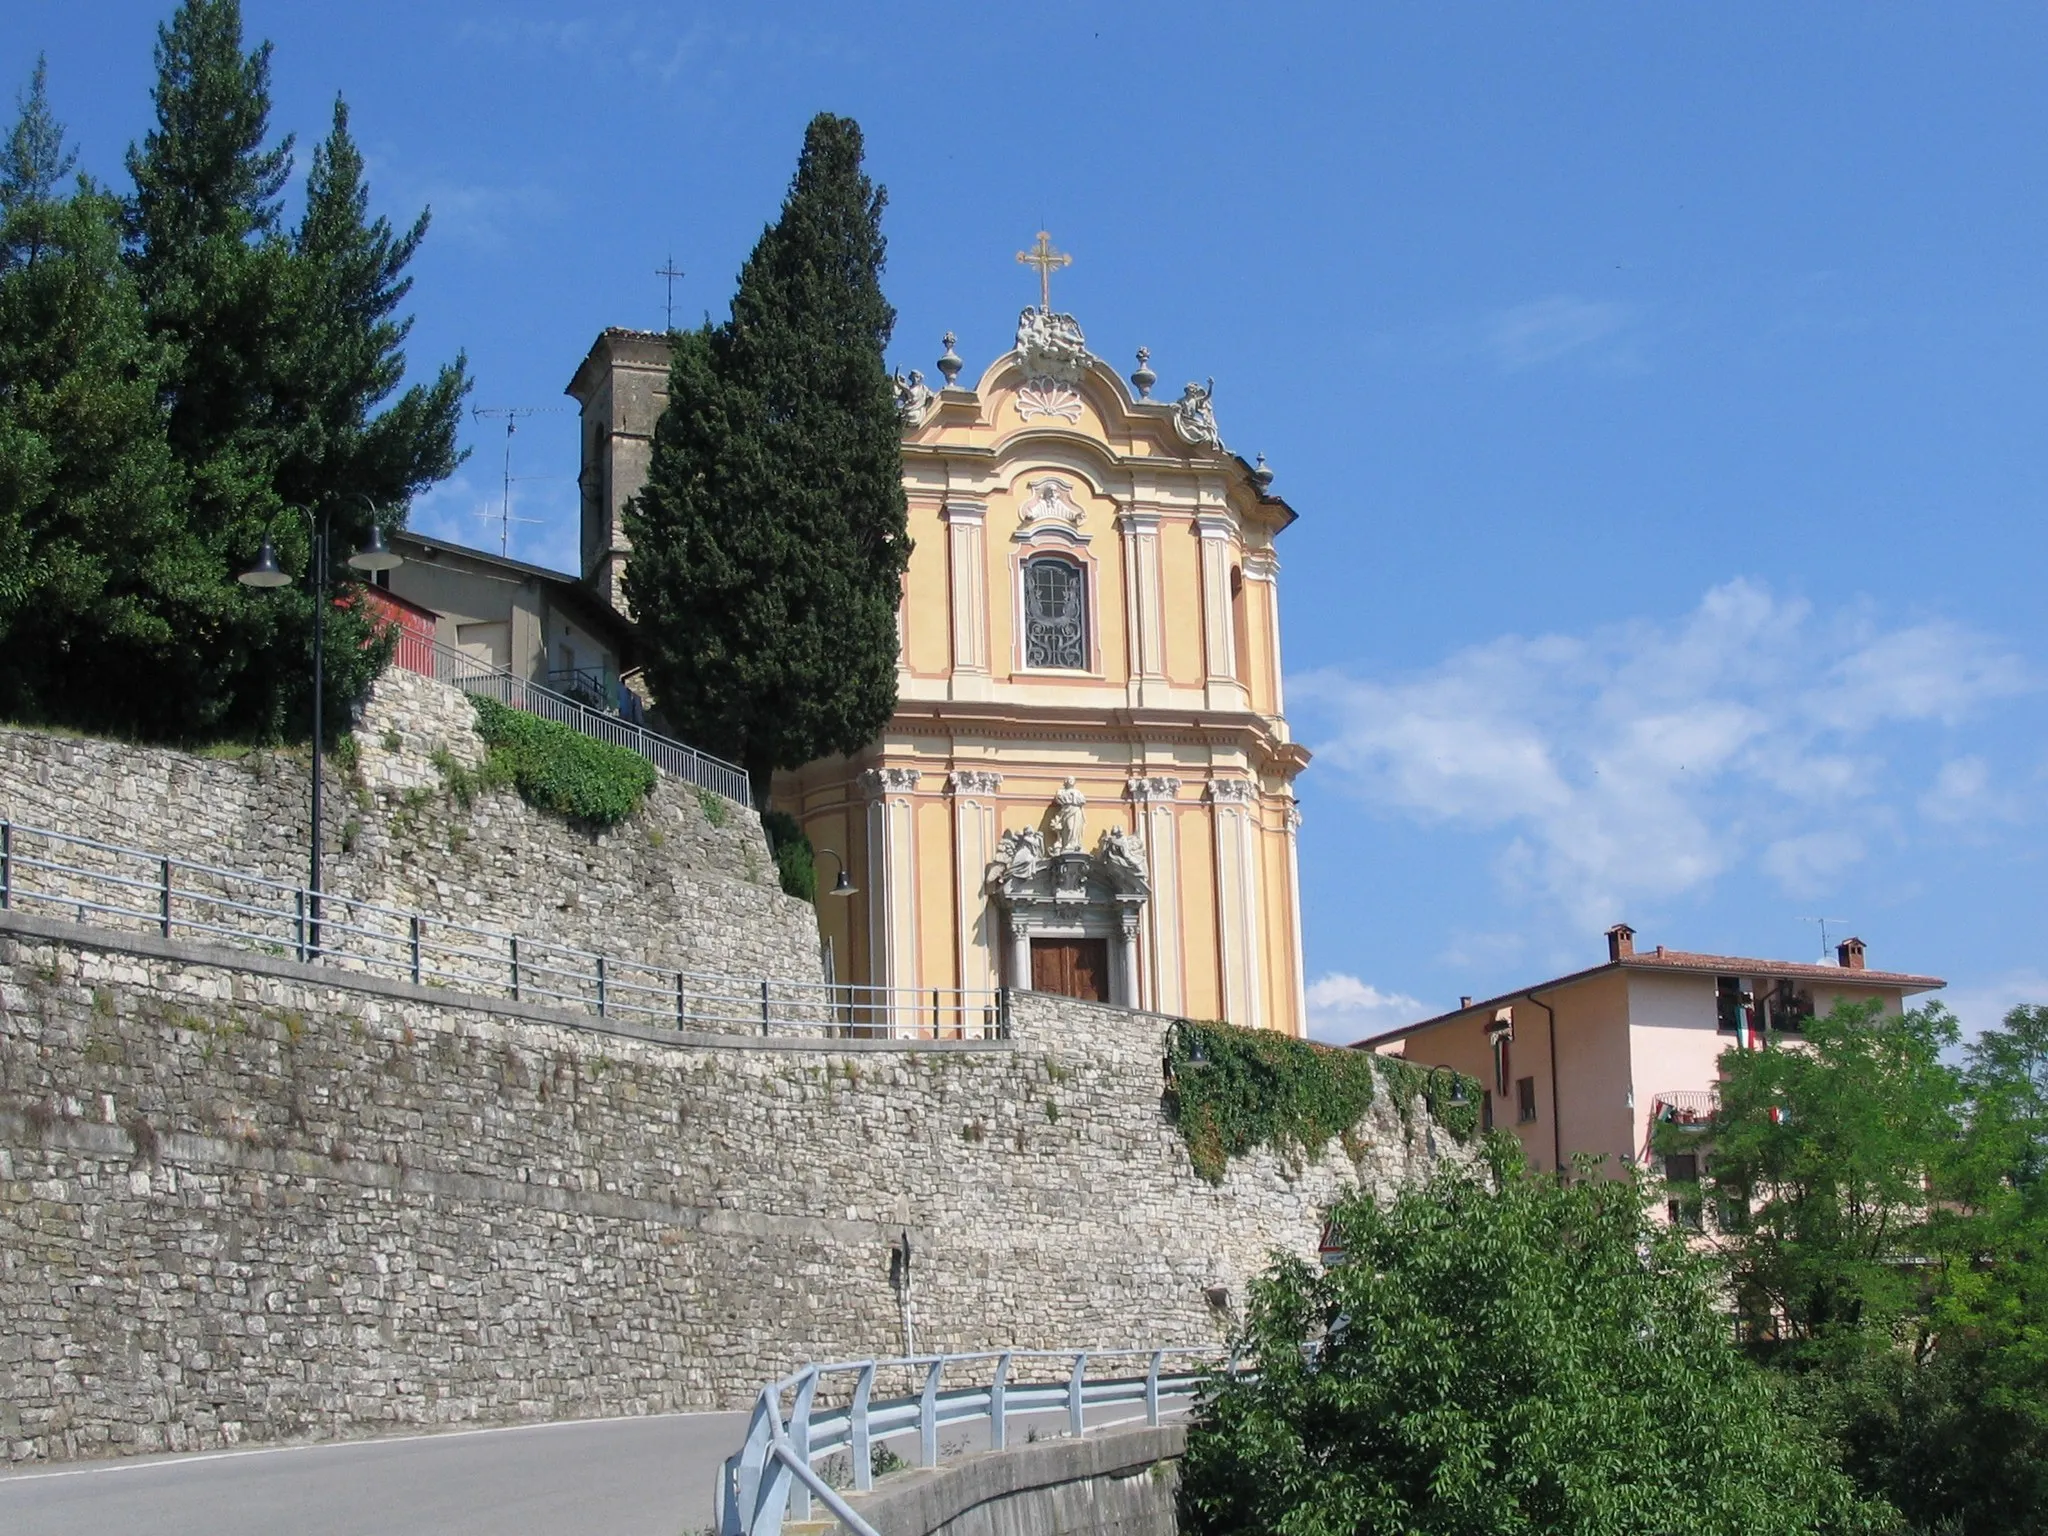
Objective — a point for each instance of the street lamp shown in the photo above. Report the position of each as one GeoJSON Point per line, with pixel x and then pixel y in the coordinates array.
{"type": "Point", "coordinates": [266, 574]}
{"type": "Point", "coordinates": [843, 886]}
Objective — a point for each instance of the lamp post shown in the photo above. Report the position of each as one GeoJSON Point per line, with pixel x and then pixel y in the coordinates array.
{"type": "Point", "coordinates": [267, 574]}
{"type": "Point", "coordinates": [843, 886]}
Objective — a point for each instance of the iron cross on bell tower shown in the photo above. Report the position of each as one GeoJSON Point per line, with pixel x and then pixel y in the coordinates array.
{"type": "Point", "coordinates": [1047, 260]}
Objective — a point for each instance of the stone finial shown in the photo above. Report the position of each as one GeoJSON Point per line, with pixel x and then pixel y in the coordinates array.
{"type": "Point", "coordinates": [949, 365]}
{"type": "Point", "coordinates": [1263, 473]}
{"type": "Point", "coordinates": [1144, 378]}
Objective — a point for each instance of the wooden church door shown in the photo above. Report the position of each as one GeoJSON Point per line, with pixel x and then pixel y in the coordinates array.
{"type": "Point", "coordinates": [1071, 967]}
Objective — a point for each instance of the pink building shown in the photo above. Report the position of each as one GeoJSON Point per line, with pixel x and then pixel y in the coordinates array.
{"type": "Point", "coordinates": [1582, 1064]}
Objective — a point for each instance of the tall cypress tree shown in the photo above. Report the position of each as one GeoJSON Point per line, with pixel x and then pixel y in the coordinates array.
{"type": "Point", "coordinates": [770, 540]}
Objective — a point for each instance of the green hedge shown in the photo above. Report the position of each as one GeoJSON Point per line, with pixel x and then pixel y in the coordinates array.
{"type": "Point", "coordinates": [1260, 1088]}
{"type": "Point", "coordinates": [794, 860]}
{"type": "Point", "coordinates": [560, 770]}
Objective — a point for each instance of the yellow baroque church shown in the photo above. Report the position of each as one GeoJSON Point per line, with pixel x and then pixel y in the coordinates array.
{"type": "Point", "coordinates": [1087, 785]}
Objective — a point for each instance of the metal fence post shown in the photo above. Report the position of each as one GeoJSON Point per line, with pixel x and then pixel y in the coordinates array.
{"type": "Point", "coordinates": [600, 1014]}
{"type": "Point", "coordinates": [414, 924]}
{"type": "Point", "coordinates": [167, 897]}
{"type": "Point", "coordinates": [6, 864]}
{"type": "Point", "coordinates": [682, 1004]}
{"type": "Point", "coordinates": [515, 967]}
{"type": "Point", "coordinates": [998, 1397]}
{"type": "Point", "coordinates": [1152, 1388]}
{"type": "Point", "coordinates": [764, 1005]}
{"type": "Point", "coordinates": [1074, 1404]}
{"type": "Point", "coordinates": [928, 1416]}
{"type": "Point", "coordinates": [800, 1439]}
{"type": "Point", "coordinates": [299, 921]}
{"type": "Point", "coordinates": [857, 1428]}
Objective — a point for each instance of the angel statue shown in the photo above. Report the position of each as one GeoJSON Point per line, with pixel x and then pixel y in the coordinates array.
{"type": "Point", "coordinates": [1194, 415]}
{"type": "Point", "coordinates": [1124, 853]}
{"type": "Point", "coordinates": [1019, 854]}
{"type": "Point", "coordinates": [913, 396]}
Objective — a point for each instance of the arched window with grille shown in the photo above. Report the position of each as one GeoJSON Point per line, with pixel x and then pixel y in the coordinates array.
{"type": "Point", "coordinates": [1055, 613]}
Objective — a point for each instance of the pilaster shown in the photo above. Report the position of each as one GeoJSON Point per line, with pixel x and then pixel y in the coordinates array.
{"type": "Point", "coordinates": [973, 792]}
{"type": "Point", "coordinates": [892, 877]}
{"type": "Point", "coordinates": [1218, 531]}
{"type": "Point", "coordinates": [1159, 932]}
{"type": "Point", "coordinates": [1144, 598]}
{"type": "Point", "coordinates": [1233, 806]}
{"type": "Point", "coordinates": [967, 560]}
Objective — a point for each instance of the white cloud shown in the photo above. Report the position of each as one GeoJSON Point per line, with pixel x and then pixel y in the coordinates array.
{"type": "Point", "coordinates": [1641, 761]}
{"type": "Point", "coordinates": [1982, 1006]}
{"type": "Point", "coordinates": [1962, 795]}
{"type": "Point", "coordinates": [1343, 1008]}
{"type": "Point", "coordinates": [1548, 329]}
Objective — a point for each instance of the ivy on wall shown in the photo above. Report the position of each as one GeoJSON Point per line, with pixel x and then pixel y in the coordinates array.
{"type": "Point", "coordinates": [557, 769]}
{"type": "Point", "coordinates": [795, 863]}
{"type": "Point", "coordinates": [1232, 1090]}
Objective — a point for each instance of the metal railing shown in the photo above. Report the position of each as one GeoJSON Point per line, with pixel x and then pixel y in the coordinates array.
{"type": "Point", "coordinates": [63, 874]}
{"type": "Point", "coordinates": [430, 658]}
{"type": "Point", "coordinates": [1684, 1106]}
{"type": "Point", "coordinates": [774, 1472]}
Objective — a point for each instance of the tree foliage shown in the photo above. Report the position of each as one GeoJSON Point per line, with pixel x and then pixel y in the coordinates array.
{"type": "Point", "coordinates": [769, 542]}
{"type": "Point", "coordinates": [1536, 1359]}
{"type": "Point", "coordinates": [235, 369]}
{"type": "Point", "coordinates": [1895, 1263]}
{"type": "Point", "coordinates": [1832, 1150]}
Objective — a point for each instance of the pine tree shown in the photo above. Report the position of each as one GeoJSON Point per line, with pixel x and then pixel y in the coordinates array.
{"type": "Point", "coordinates": [350, 357]}
{"type": "Point", "coordinates": [93, 540]}
{"type": "Point", "coordinates": [279, 348]}
{"type": "Point", "coordinates": [770, 540]}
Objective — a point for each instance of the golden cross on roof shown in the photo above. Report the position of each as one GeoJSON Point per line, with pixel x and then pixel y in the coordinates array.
{"type": "Point", "coordinates": [1047, 260]}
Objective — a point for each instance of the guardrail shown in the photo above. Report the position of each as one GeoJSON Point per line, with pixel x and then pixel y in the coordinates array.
{"type": "Point", "coordinates": [430, 658]}
{"type": "Point", "coordinates": [71, 876]}
{"type": "Point", "coordinates": [774, 1468]}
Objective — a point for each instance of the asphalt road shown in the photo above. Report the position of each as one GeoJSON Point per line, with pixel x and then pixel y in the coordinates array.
{"type": "Point", "coordinates": [605, 1477]}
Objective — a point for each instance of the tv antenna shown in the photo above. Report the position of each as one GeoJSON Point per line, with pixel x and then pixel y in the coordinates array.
{"type": "Point", "coordinates": [511, 413]}
{"type": "Point", "coordinates": [671, 272]}
{"type": "Point", "coordinates": [1824, 921]}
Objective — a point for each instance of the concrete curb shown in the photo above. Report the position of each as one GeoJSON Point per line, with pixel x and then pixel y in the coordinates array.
{"type": "Point", "coordinates": [918, 1503]}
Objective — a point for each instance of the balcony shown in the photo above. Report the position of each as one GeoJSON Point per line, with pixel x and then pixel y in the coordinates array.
{"type": "Point", "coordinates": [1684, 1106]}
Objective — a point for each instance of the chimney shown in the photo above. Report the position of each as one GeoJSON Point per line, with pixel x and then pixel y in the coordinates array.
{"type": "Point", "coordinates": [1850, 953]}
{"type": "Point", "coordinates": [1621, 942]}
{"type": "Point", "coordinates": [1464, 1002]}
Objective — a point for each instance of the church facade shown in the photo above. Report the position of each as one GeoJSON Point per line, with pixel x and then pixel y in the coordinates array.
{"type": "Point", "coordinates": [1087, 786]}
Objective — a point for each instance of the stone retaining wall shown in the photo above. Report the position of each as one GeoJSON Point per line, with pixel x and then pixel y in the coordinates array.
{"type": "Point", "coordinates": [244, 1199]}
{"type": "Point", "coordinates": [686, 882]}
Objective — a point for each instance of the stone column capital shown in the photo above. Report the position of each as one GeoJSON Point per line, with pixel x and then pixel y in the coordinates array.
{"type": "Point", "coordinates": [973, 781]}
{"type": "Point", "coordinates": [1146, 788]}
{"type": "Point", "coordinates": [877, 782]}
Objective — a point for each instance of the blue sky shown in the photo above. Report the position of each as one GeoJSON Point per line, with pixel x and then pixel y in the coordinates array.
{"type": "Point", "coordinates": [1662, 389]}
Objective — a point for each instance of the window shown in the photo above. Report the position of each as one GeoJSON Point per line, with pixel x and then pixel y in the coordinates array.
{"type": "Point", "coordinates": [1055, 614]}
{"type": "Point", "coordinates": [1525, 1099]}
{"type": "Point", "coordinates": [1682, 1178]}
{"type": "Point", "coordinates": [1789, 1008]}
{"type": "Point", "coordinates": [1727, 1003]}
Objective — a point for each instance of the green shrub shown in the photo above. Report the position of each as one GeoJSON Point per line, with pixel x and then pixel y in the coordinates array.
{"type": "Point", "coordinates": [560, 770]}
{"type": "Point", "coordinates": [1260, 1088]}
{"type": "Point", "coordinates": [794, 861]}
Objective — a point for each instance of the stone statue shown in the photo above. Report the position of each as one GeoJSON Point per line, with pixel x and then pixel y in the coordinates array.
{"type": "Point", "coordinates": [1069, 819]}
{"type": "Point", "coordinates": [1194, 415]}
{"type": "Point", "coordinates": [913, 398]}
{"type": "Point", "coordinates": [1051, 346]}
{"type": "Point", "coordinates": [1124, 854]}
{"type": "Point", "coordinates": [1019, 856]}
